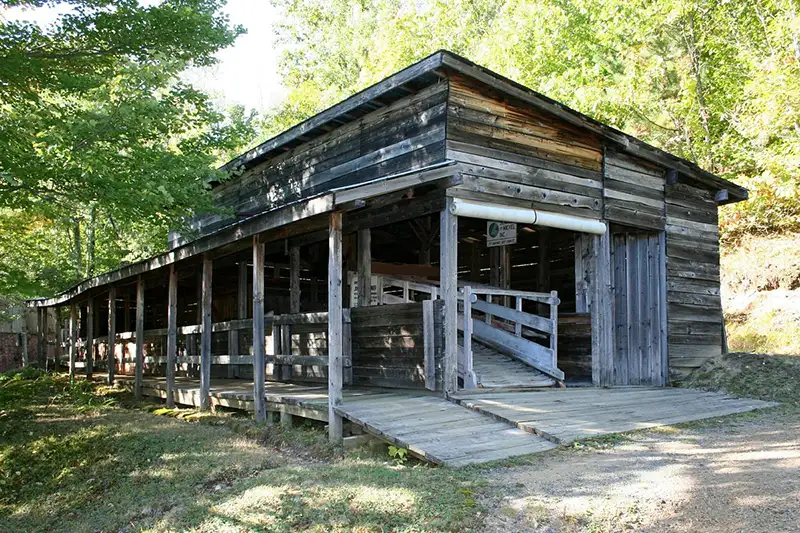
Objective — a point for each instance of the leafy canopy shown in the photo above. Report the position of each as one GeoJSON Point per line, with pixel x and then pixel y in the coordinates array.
{"type": "Point", "coordinates": [102, 147]}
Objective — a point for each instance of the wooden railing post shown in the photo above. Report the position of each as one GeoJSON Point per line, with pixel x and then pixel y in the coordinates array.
{"type": "Point", "coordinates": [467, 332]}
{"type": "Point", "coordinates": [364, 268]}
{"type": "Point", "coordinates": [429, 344]}
{"type": "Point", "coordinates": [112, 333]}
{"type": "Point", "coordinates": [554, 319]}
{"type": "Point", "coordinates": [518, 326]}
{"type": "Point", "coordinates": [347, 347]}
{"type": "Point", "coordinates": [57, 325]}
{"type": "Point", "coordinates": [205, 335]}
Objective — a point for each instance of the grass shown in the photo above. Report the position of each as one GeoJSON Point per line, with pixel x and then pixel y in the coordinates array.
{"type": "Point", "coordinates": [766, 377]}
{"type": "Point", "coordinates": [88, 458]}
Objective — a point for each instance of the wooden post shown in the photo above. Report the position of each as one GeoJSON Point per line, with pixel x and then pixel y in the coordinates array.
{"type": "Point", "coordinates": [139, 364]}
{"type": "Point", "coordinates": [57, 350]}
{"type": "Point", "coordinates": [347, 347]}
{"type": "Point", "coordinates": [602, 310]}
{"type": "Point", "coordinates": [543, 260]}
{"type": "Point", "coordinates": [205, 335]}
{"type": "Point", "coordinates": [41, 337]}
{"type": "Point", "coordinates": [73, 339]}
{"type": "Point", "coordinates": [90, 313]}
{"type": "Point", "coordinates": [259, 362]}
{"type": "Point", "coordinates": [429, 344]}
{"type": "Point", "coordinates": [554, 318]}
{"type": "Point", "coordinates": [294, 279]}
{"type": "Point", "coordinates": [448, 265]}
{"type": "Point", "coordinates": [172, 333]}
{"type": "Point", "coordinates": [23, 341]}
{"type": "Point", "coordinates": [467, 334]}
{"type": "Point", "coordinates": [112, 333]}
{"type": "Point", "coordinates": [334, 326]}
{"type": "Point", "coordinates": [241, 291]}
{"type": "Point", "coordinates": [364, 267]}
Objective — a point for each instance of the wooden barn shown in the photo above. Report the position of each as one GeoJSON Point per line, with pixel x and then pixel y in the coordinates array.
{"type": "Point", "coordinates": [417, 255]}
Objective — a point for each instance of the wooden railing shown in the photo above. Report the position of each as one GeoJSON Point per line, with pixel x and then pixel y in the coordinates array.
{"type": "Point", "coordinates": [510, 330]}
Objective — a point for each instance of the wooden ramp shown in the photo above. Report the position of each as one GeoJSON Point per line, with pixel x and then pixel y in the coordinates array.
{"type": "Point", "coordinates": [566, 415]}
{"type": "Point", "coordinates": [495, 370]}
{"type": "Point", "coordinates": [440, 431]}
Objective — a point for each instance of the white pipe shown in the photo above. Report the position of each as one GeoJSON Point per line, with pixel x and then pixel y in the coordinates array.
{"type": "Point", "coordinates": [502, 213]}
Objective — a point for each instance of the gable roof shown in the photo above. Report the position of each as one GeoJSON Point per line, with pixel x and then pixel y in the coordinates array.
{"type": "Point", "coordinates": [437, 65]}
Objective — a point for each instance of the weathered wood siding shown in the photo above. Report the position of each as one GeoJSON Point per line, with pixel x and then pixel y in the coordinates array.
{"type": "Point", "coordinates": [388, 345]}
{"type": "Point", "coordinates": [575, 346]}
{"type": "Point", "coordinates": [695, 308]}
{"type": "Point", "coordinates": [404, 135]}
{"type": "Point", "coordinates": [521, 155]}
{"type": "Point", "coordinates": [633, 192]}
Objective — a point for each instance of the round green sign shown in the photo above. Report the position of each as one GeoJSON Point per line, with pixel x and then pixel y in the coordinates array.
{"type": "Point", "coordinates": [494, 229]}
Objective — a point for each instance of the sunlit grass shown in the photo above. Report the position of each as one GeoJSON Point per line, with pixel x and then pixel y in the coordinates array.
{"type": "Point", "coordinates": [72, 460]}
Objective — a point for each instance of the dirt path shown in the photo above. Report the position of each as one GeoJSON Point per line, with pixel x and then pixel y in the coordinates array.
{"type": "Point", "coordinates": [735, 475]}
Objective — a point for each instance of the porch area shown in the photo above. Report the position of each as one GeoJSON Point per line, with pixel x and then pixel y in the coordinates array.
{"type": "Point", "coordinates": [475, 427]}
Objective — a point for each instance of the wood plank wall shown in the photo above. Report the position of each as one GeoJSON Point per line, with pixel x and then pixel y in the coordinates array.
{"type": "Point", "coordinates": [520, 155]}
{"type": "Point", "coordinates": [694, 308]}
{"type": "Point", "coordinates": [388, 345]}
{"type": "Point", "coordinates": [404, 135]}
{"type": "Point", "coordinates": [633, 192]}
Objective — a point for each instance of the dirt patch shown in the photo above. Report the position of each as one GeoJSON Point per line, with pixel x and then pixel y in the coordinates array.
{"type": "Point", "coordinates": [735, 474]}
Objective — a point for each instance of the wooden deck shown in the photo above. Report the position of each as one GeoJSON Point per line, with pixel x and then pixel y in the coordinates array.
{"type": "Point", "coordinates": [566, 415]}
{"type": "Point", "coordinates": [480, 425]}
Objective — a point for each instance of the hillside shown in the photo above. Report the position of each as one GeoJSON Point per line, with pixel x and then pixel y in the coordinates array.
{"type": "Point", "coordinates": [761, 294]}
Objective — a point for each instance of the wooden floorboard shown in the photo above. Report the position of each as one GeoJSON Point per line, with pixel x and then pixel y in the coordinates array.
{"type": "Point", "coordinates": [479, 425]}
{"type": "Point", "coordinates": [572, 414]}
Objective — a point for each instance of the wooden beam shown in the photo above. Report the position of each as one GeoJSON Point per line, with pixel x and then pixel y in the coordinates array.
{"type": "Point", "coordinates": [241, 292]}
{"type": "Point", "coordinates": [602, 311]}
{"type": "Point", "coordinates": [448, 264]}
{"type": "Point", "coordinates": [112, 333]}
{"type": "Point", "coordinates": [335, 348]}
{"type": "Point", "coordinates": [139, 369]}
{"type": "Point", "coordinates": [671, 177]}
{"type": "Point", "coordinates": [172, 333]}
{"type": "Point", "coordinates": [90, 314]}
{"type": "Point", "coordinates": [73, 339]}
{"type": "Point", "coordinates": [721, 196]}
{"type": "Point", "coordinates": [205, 335]}
{"type": "Point", "coordinates": [259, 358]}
{"type": "Point", "coordinates": [364, 267]}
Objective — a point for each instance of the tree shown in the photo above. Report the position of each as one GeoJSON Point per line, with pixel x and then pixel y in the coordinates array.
{"type": "Point", "coordinates": [715, 82]}
{"type": "Point", "coordinates": [102, 147]}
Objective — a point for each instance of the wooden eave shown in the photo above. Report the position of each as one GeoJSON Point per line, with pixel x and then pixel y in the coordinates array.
{"type": "Point", "coordinates": [230, 239]}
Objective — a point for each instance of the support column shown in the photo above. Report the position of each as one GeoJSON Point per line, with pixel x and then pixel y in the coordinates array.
{"type": "Point", "coordinates": [172, 333]}
{"type": "Point", "coordinates": [41, 337]}
{"type": "Point", "coordinates": [448, 275]}
{"type": "Point", "coordinates": [334, 326]}
{"type": "Point", "coordinates": [602, 309]}
{"type": "Point", "coordinates": [294, 279]}
{"type": "Point", "coordinates": [259, 358]}
{"type": "Point", "coordinates": [139, 364]}
{"type": "Point", "coordinates": [57, 327]}
{"type": "Point", "coordinates": [73, 339]}
{"type": "Point", "coordinates": [23, 338]}
{"type": "Point", "coordinates": [543, 266]}
{"type": "Point", "coordinates": [90, 313]}
{"type": "Point", "coordinates": [112, 333]}
{"type": "Point", "coordinates": [364, 267]}
{"type": "Point", "coordinates": [241, 313]}
{"type": "Point", "coordinates": [205, 335]}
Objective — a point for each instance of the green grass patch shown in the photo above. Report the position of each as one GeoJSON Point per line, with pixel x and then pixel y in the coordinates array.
{"type": "Point", "coordinates": [88, 458]}
{"type": "Point", "coordinates": [766, 377]}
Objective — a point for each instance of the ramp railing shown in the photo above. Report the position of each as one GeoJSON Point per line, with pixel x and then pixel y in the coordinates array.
{"type": "Point", "coordinates": [527, 337]}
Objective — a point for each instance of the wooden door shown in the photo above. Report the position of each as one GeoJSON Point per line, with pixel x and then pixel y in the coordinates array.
{"type": "Point", "coordinates": [639, 283]}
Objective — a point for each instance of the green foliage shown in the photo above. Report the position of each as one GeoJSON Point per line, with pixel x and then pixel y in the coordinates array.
{"type": "Point", "coordinates": [399, 455]}
{"type": "Point", "coordinates": [102, 146]}
{"type": "Point", "coordinates": [715, 82]}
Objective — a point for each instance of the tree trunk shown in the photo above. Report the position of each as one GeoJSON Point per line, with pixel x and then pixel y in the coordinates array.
{"type": "Point", "coordinates": [77, 253]}
{"type": "Point", "coordinates": [90, 242]}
